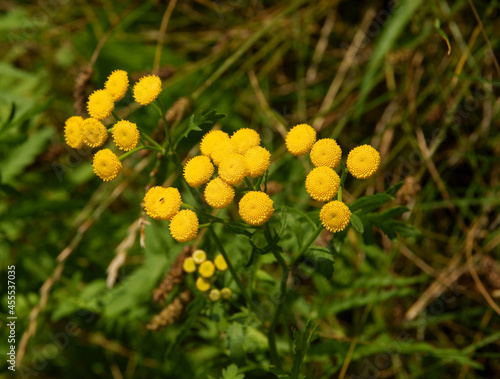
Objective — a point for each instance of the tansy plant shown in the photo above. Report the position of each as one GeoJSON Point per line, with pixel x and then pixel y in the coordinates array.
{"type": "Point", "coordinates": [227, 181]}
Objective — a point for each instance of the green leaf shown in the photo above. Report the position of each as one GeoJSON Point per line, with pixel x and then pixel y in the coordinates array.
{"type": "Point", "coordinates": [391, 191]}
{"type": "Point", "coordinates": [325, 268]}
{"type": "Point", "coordinates": [370, 203]}
{"type": "Point", "coordinates": [235, 341]}
{"type": "Point", "coordinates": [231, 372]}
{"type": "Point", "coordinates": [300, 345]}
{"type": "Point", "coordinates": [357, 223]}
{"type": "Point", "coordinates": [203, 120]}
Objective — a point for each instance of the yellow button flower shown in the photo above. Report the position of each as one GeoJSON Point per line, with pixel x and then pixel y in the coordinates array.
{"type": "Point", "coordinates": [326, 152]}
{"type": "Point", "coordinates": [94, 132]}
{"type": "Point", "coordinates": [244, 139]}
{"type": "Point", "coordinates": [162, 203]}
{"type": "Point", "coordinates": [226, 293]}
{"type": "Point", "coordinates": [189, 265]}
{"type": "Point", "coordinates": [106, 165]}
{"type": "Point", "coordinates": [117, 84]}
{"type": "Point", "coordinates": [218, 194]}
{"type": "Point", "coordinates": [322, 183]}
{"type": "Point", "coordinates": [214, 295]}
{"type": "Point", "coordinates": [222, 149]}
{"type": "Point", "coordinates": [202, 284]}
{"type": "Point", "coordinates": [184, 226]}
{"type": "Point", "coordinates": [207, 269]}
{"type": "Point", "coordinates": [209, 140]}
{"type": "Point", "coordinates": [233, 169]}
{"type": "Point", "coordinates": [73, 132]}
{"type": "Point", "coordinates": [125, 135]}
{"type": "Point", "coordinates": [300, 139]}
{"type": "Point", "coordinates": [199, 256]}
{"type": "Point", "coordinates": [100, 104]}
{"type": "Point", "coordinates": [147, 89]}
{"type": "Point", "coordinates": [335, 216]}
{"type": "Point", "coordinates": [220, 263]}
{"type": "Point", "coordinates": [256, 208]}
{"type": "Point", "coordinates": [198, 171]}
{"type": "Point", "coordinates": [363, 161]}
{"type": "Point", "coordinates": [257, 161]}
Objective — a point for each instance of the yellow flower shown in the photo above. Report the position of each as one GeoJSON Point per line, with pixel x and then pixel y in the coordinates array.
{"type": "Point", "coordinates": [214, 295]}
{"type": "Point", "coordinates": [335, 216]}
{"type": "Point", "coordinates": [189, 265]}
{"type": "Point", "coordinates": [209, 140]}
{"type": "Point", "coordinates": [100, 104]}
{"type": "Point", "coordinates": [300, 139]}
{"type": "Point", "coordinates": [117, 84]}
{"type": "Point", "coordinates": [222, 149]}
{"type": "Point", "coordinates": [73, 132]}
{"type": "Point", "coordinates": [226, 293]}
{"type": "Point", "coordinates": [94, 132]}
{"type": "Point", "coordinates": [198, 171]}
{"type": "Point", "coordinates": [199, 256]}
{"type": "Point", "coordinates": [218, 194]}
{"type": "Point", "coordinates": [184, 226]}
{"type": "Point", "coordinates": [207, 269]}
{"type": "Point", "coordinates": [126, 135]}
{"type": "Point", "coordinates": [363, 161]}
{"type": "Point", "coordinates": [326, 152]}
{"type": "Point", "coordinates": [106, 165]}
{"type": "Point", "coordinates": [232, 168]}
{"type": "Point", "coordinates": [147, 89]}
{"type": "Point", "coordinates": [244, 139]}
{"type": "Point", "coordinates": [162, 203]}
{"type": "Point", "coordinates": [322, 183]}
{"type": "Point", "coordinates": [256, 208]}
{"type": "Point", "coordinates": [220, 263]}
{"type": "Point", "coordinates": [202, 284]}
{"type": "Point", "coordinates": [257, 161]}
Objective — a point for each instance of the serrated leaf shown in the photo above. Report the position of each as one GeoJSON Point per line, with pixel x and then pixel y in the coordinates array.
{"type": "Point", "coordinates": [300, 345]}
{"type": "Point", "coordinates": [325, 268]}
{"type": "Point", "coordinates": [370, 203]}
{"type": "Point", "coordinates": [235, 341]}
{"type": "Point", "coordinates": [391, 191]}
{"type": "Point", "coordinates": [203, 120]}
{"type": "Point", "coordinates": [231, 372]}
{"type": "Point", "coordinates": [357, 223]}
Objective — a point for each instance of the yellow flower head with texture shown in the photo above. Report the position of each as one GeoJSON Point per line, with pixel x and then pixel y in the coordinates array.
{"type": "Point", "coordinates": [125, 135]}
{"type": "Point", "coordinates": [189, 265]}
{"type": "Point", "coordinates": [199, 256]}
{"type": "Point", "coordinates": [162, 203]}
{"type": "Point", "coordinates": [117, 84]}
{"type": "Point", "coordinates": [207, 269]}
{"type": "Point", "coordinates": [184, 226]}
{"type": "Point", "coordinates": [220, 263]}
{"type": "Point", "coordinates": [335, 216]}
{"type": "Point", "coordinates": [100, 104]}
{"type": "Point", "coordinates": [256, 208]}
{"type": "Point", "coordinates": [257, 160]}
{"type": "Point", "coordinates": [244, 139]}
{"type": "Point", "coordinates": [222, 149]}
{"type": "Point", "coordinates": [73, 132]}
{"type": "Point", "coordinates": [147, 89]}
{"type": "Point", "coordinates": [94, 132]}
{"type": "Point", "coordinates": [106, 165]}
{"type": "Point", "coordinates": [226, 293]}
{"type": "Point", "coordinates": [214, 295]}
{"type": "Point", "coordinates": [218, 194]}
{"type": "Point", "coordinates": [300, 139]}
{"type": "Point", "coordinates": [209, 140]}
{"type": "Point", "coordinates": [363, 161]}
{"type": "Point", "coordinates": [326, 152]}
{"type": "Point", "coordinates": [322, 183]}
{"type": "Point", "coordinates": [202, 284]}
{"type": "Point", "coordinates": [198, 171]}
{"type": "Point", "coordinates": [233, 169]}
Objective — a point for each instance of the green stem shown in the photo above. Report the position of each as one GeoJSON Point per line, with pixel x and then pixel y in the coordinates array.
{"type": "Point", "coordinates": [115, 116]}
{"type": "Point", "coordinates": [272, 328]}
{"type": "Point", "coordinates": [249, 183]}
{"type": "Point", "coordinates": [125, 155]}
{"type": "Point", "coordinates": [159, 107]}
{"type": "Point", "coordinates": [153, 142]}
{"type": "Point", "coordinates": [308, 243]}
{"type": "Point", "coordinates": [342, 180]}
{"type": "Point", "coordinates": [201, 226]}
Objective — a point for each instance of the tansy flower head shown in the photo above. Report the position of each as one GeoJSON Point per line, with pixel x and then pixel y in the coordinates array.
{"type": "Point", "coordinates": [207, 269]}
{"type": "Point", "coordinates": [199, 256]}
{"type": "Point", "coordinates": [226, 293]}
{"type": "Point", "coordinates": [198, 170]}
{"type": "Point", "coordinates": [147, 89]}
{"type": "Point", "coordinates": [189, 265]}
{"type": "Point", "coordinates": [209, 140]}
{"type": "Point", "coordinates": [100, 104]}
{"type": "Point", "coordinates": [184, 226]}
{"type": "Point", "coordinates": [117, 84]}
{"type": "Point", "coordinates": [233, 169]}
{"type": "Point", "coordinates": [335, 216]}
{"type": "Point", "coordinates": [300, 139]}
{"type": "Point", "coordinates": [106, 165]}
{"type": "Point", "coordinates": [220, 263]}
{"type": "Point", "coordinates": [257, 161]}
{"type": "Point", "coordinates": [214, 295]}
{"type": "Point", "coordinates": [125, 135]}
{"type": "Point", "coordinates": [73, 132]}
{"type": "Point", "coordinates": [363, 161]}
{"type": "Point", "coordinates": [162, 203]}
{"type": "Point", "coordinates": [218, 194]}
{"type": "Point", "coordinates": [94, 132]}
{"type": "Point", "coordinates": [244, 139]}
{"type": "Point", "coordinates": [326, 152]}
{"type": "Point", "coordinates": [202, 284]}
{"type": "Point", "coordinates": [322, 183]}
{"type": "Point", "coordinates": [256, 208]}
{"type": "Point", "coordinates": [222, 149]}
